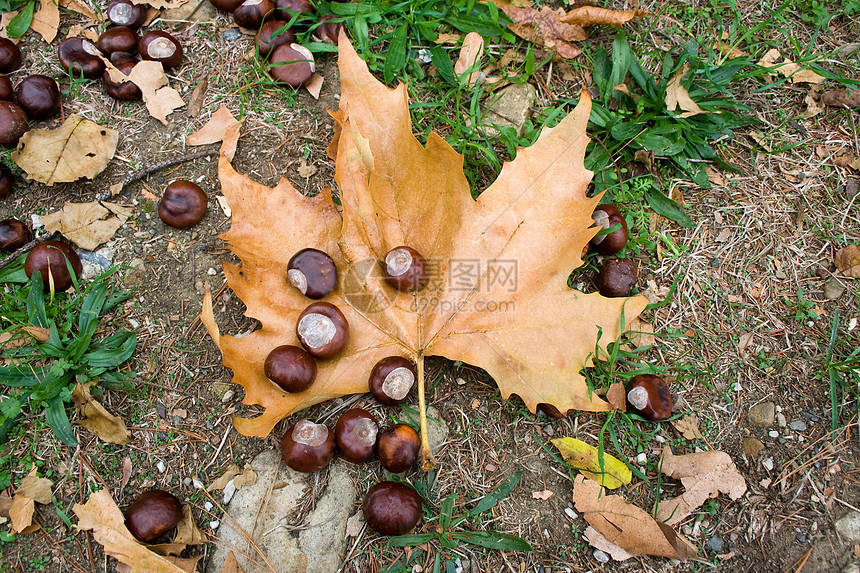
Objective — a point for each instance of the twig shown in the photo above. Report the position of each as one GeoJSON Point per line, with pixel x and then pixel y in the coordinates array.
{"type": "Point", "coordinates": [149, 170]}
{"type": "Point", "coordinates": [8, 260]}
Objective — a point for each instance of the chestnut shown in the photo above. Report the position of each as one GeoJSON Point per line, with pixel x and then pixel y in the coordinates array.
{"type": "Point", "coordinates": [405, 269]}
{"type": "Point", "coordinates": [391, 380]}
{"type": "Point", "coordinates": [6, 88]}
{"type": "Point", "coordinates": [312, 272]}
{"type": "Point", "coordinates": [291, 368]}
{"type": "Point", "coordinates": [182, 205]}
{"type": "Point", "coordinates": [13, 123]}
{"type": "Point", "coordinates": [251, 13]}
{"type": "Point", "coordinates": [398, 448]}
{"type": "Point", "coordinates": [607, 216]}
{"type": "Point", "coordinates": [226, 5]}
{"type": "Point", "coordinates": [38, 96]}
{"type": "Point", "coordinates": [7, 181]}
{"type": "Point", "coordinates": [161, 47]}
{"type": "Point", "coordinates": [123, 91]}
{"type": "Point", "coordinates": [649, 396]}
{"type": "Point", "coordinates": [292, 64]}
{"type": "Point", "coordinates": [10, 56]}
{"type": "Point", "coordinates": [617, 277]}
{"type": "Point", "coordinates": [552, 411]}
{"type": "Point", "coordinates": [322, 330]}
{"type": "Point", "coordinates": [329, 29]}
{"type": "Point", "coordinates": [118, 39]}
{"type": "Point", "coordinates": [272, 34]}
{"type": "Point", "coordinates": [152, 514]}
{"type": "Point", "coordinates": [49, 259]}
{"type": "Point", "coordinates": [14, 234]}
{"type": "Point", "coordinates": [392, 508]}
{"type": "Point", "coordinates": [287, 9]}
{"type": "Point", "coordinates": [81, 57]}
{"type": "Point", "coordinates": [307, 447]}
{"type": "Point", "coordinates": [355, 433]}
{"type": "Point", "coordinates": [124, 13]}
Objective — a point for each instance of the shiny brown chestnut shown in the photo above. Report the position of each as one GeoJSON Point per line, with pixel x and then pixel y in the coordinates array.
{"type": "Point", "coordinates": [312, 272]}
{"type": "Point", "coordinates": [355, 432]}
{"type": "Point", "coordinates": [38, 96]}
{"type": "Point", "coordinates": [329, 29]}
{"type": "Point", "coordinates": [650, 397]}
{"type": "Point", "coordinates": [123, 91]}
{"type": "Point", "coordinates": [291, 368]}
{"type": "Point", "coordinates": [322, 330]}
{"type": "Point", "coordinates": [152, 514]}
{"type": "Point", "coordinates": [49, 259]}
{"type": "Point", "coordinates": [13, 123]}
{"type": "Point", "coordinates": [391, 380]}
{"type": "Point", "coordinates": [226, 5]}
{"type": "Point", "coordinates": [81, 58]}
{"type": "Point", "coordinates": [7, 181]}
{"type": "Point", "coordinates": [160, 47]}
{"type": "Point", "coordinates": [272, 34]}
{"type": "Point", "coordinates": [292, 64]}
{"type": "Point", "coordinates": [7, 90]}
{"type": "Point", "coordinates": [617, 277]}
{"type": "Point", "coordinates": [552, 411]}
{"type": "Point", "coordinates": [392, 508]}
{"type": "Point", "coordinates": [287, 9]}
{"type": "Point", "coordinates": [182, 205]}
{"type": "Point", "coordinates": [606, 217]}
{"type": "Point", "coordinates": [10, 56]}
{"type": "Point", "coordinates": [14, 234]}
{"type": "Point", "coordinates": [251, 13]}
{"type": "Point", "coordinates": [307, 447]}
{"type": "Point", "coordinates": [398, 448]}
{"type": "Point", "coordinates": [119, 39]}
{"type": "Point", "coordinates": [124, 13]}
{"type": "Point", "coordinates": [405, 269]}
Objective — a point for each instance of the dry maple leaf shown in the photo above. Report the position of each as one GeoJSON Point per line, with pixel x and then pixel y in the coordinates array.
{"type": "Point", "coordinates": [544, 28]}
{"type": "Point", "coordinates": [88, 225]}
{"type": "Point", "coordinates": [497, 297]}
{"type": "Point", "coordinates": [594, 16]}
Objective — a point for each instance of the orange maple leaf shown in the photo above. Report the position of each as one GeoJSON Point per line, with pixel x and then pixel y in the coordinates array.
{"type": "Point", "coordinates": [498, 297]}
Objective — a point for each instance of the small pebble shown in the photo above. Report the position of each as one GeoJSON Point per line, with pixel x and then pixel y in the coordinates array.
{"type": "Point", "coordinates": [768, 464]}
{"type": "Point", "coordinates": [232, 34]}
{"type": "Point", "coordinates": [810, 416]}
{"type": "Point", "coordinates": [570, 513]}
{"type": "Point", "coordinates": [160, 467]}
{"type": "Point", "coordinates": [601, 556]}
{"type": "Point", "coordinates": [214, 524]}
{"type": "Point", "coordinates": [197, 483]}
{"type": "Point", "coordinates": [461, 382]}
{"type": "Point", "coordinates": [548, 429]}
{"type": "Point", "coordinates": [642, 459]}
{"type": "Point", "coordinates": [211, 272]}
{"type": "Point", "coordinates": [800, 537]}
{"type": "Point", "coordinates": [660, 438]}
{"type": "Point", "coordinates": [780, 420]}
{"type": "Point", "coordinates": [715, 544]}
{"type": "Point", "coordinates": [228, 397]}
{"type": "Point", "coordinates": [798, 426]}
{"type": "Point", "coordinates": [773, 434]}
{"type": "Point", "coordinates": [186, 481]}
{"type": "Point", "coordinates": [208, 506]}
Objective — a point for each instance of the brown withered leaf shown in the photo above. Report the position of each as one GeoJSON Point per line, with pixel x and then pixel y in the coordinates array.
{"type": "Point", "coordinates": [544, 28]}
{"type": "Point", "coordinates": [704, 475]}
{"type": "Point", "coordinates": [625, 525]}
{"type": "Point", "coordinates": [88, 225]}
{"type": "Point", "coordinates": [105, 425]}
{"type": "Point", "coordinates": [847, 260]}
{"type": "Point", "coordinates": [46, 20]}
{"type": "Point", "coordinates": [473, 47]}
{"type": "Point", "coordinates": [222, 126]}
{"type": "Point", "coordinates": [161, 100]}
{"type": "Point", "coordinates": [842, 97]}
{"type": "Point", "coordinates": [791, 70]}
{"type": "Point", "coordinates": [101, 514]}
{"type": "Point", "coordinates": [617, 396]}
{"type": "Point", "coordinates": [78, 148]}
{"type": "Point", "coordinates": [37, 488]}
{"type": "Point", "coordinates": [515, 317]}
{"type": "Point", "coordinates": [21, 512]}
{"type": "Point", "coordinates": [677, 95]}
{"type": "Point", "coordinates": [231, 565]}
{"type": "Point", "coordinates": [81, 8]}
{"type": "Point", "coordinates": [586, 16]}
{"type": "Point", "coordinates": [688, 426]}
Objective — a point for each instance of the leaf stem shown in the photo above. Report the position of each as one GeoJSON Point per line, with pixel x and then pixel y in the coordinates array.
{"type": "Point", "coordinates": [427, 461]}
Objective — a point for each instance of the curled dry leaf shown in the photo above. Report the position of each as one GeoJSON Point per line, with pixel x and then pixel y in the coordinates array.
{"type": "Point", "coordinates": [78, 148]}
{"type": "Point", "coordinates": [497, 297]}
{"type": "Point", "coordinates": [688, 426]}
{"type": "Point", "coordinates": [88, 225]}
{"type": "Point", "coordinates": [160, 99]}
{"type": "Point", "coordinates": [586, 16]}
{"type": "Point", "coordinates": [222, 126]}
{"type": "Point", "coordinates": [37, 488]}
{"type": "Point", "coordinates": [81, 8]}
{"type": "Point", "coordinates": [21, 513]}
{"type": "Point", "coordinates": [544, 28]}
{"type": "Point", "coordinates": [704, 475]}
{"type": "Point", "coordinates": [847, 260]}
{"type": "Point", "coordinates": [240, 478]}
{"type": "Point", "coordinates": [473, 47]}
{"type": "Point", "coordinates": [678, 97]}
{"type": "Point", "coordinates": [626, 525]}
{"type": "Point", "coordinates": [792, 71]}
{"type": "Point", "coordinates": [46, 20]}
{"type": "Point", "coordinates": [106, 426]}
{"type": "Point", "coordinates": [605, 469]}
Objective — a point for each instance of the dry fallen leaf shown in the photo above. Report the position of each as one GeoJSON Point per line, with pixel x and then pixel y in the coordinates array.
{"type": "Point", "coordinates": [231, 565]}
{"type": "Point", "coordinates": [542, 495]}
{"type": "Point", "coordinates": [586, 16]}
{"type": "Point", "coordinates": [222, 126]}
{"type": "Point", "coordinates": [88, 225]}
{"type": "Point", "coordinates": [46, 20]}
{"type": "Point", "coordinates": [21, 513]}
{"type": "Point", "coordinates": [605, 469]}
{"type": "Point", "coordinates": [598, 541]}
{"type": "Point", "coordinates": [796, 75]}
{"type": "Point", "coordinates": [617, 396]}
{"type": "Point", "coordinates": [36, 488]}
{"type": "Point", "coordinates": [103, 517]}
{"type": "Point", "coordinates": [473, 47]}
{"type": "Point", "coordinates": [842, 97]}
{"type": "Point", "coordinates": [81, 8]}
{"type": "Point", "coordinates": [160, 99]}
{"type": "Point", "coordinates": [78, 148]}
{"type": "Point", "coordinates": [106, 426]}
{"type": "Point", "coordinates": [238, 476]}
{"type": "Point", "coordinates": [677, 96]}
{"type": "Point", "coordinates": [688, 426]}
{"type": "Point", "coordinates": [626, 525]}
{"type": "Point", "coordinates": [515, 317]}
{"type": "Point", "coordinates": [187, 531]}
{"type": "Point", "coordinates": [847, 260]}
{"type": "Point", "coordinates": [704, 475]}
{"type": "Point", "coordinates": [544, 28]}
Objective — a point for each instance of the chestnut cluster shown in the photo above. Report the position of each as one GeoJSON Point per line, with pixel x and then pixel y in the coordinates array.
{"type": "Point", "coordinates": [120, 43]}
{"type": "Point", "coordinates": [616, 277]}
{"type": "Point", "coordinates": [152, 514]}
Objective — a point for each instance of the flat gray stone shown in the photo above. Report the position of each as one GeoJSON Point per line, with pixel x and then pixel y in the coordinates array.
{"type": "Point", "coordinates": [191, 11]}
{"type": "Point", "coordinates": [762, 414]}
{"type": "Point", "coordinates": [317, 545]}
{"type": "Point", "coordinates": [798, 426]}
{"type": "Point", "coordinates": [848, 527]}
{"type": "Point", "coordinates": [512, 107]}
{"type": "Point", "coordinates": [437, 429]}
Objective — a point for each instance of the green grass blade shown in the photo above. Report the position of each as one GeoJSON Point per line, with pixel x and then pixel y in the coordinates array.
{"type": "Point", "coordinates": [395, 59]}
{"type": "Point", "coordinates": [494, 540]}
{"type": "Point", "coordinates": [55, 415]}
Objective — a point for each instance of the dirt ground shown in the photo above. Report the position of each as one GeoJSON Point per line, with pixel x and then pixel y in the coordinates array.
{"type": "Point", "coordinates": [761, 235]}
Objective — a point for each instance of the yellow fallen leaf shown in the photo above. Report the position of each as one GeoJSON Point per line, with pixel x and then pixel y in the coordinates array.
{"type": "Point", "coordinates": [587, 459]}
